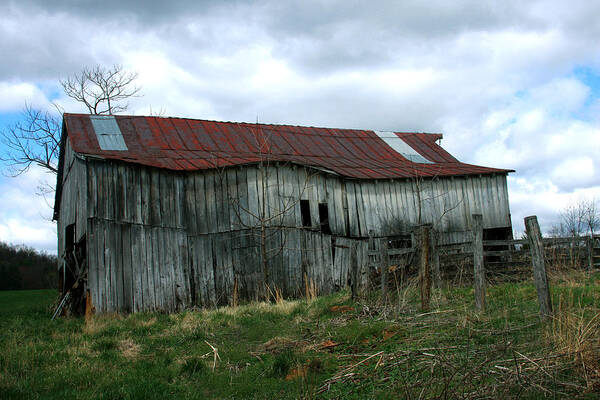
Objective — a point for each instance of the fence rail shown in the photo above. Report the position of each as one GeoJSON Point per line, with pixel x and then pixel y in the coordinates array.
{"type": "Point", "coordinates": [478, 259]}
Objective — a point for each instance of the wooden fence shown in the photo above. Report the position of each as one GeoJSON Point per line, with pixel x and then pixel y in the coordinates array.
{"type": "Point", "coordinates": [502, 259]}
{"type": "Point", "coordinates": [394, 259]}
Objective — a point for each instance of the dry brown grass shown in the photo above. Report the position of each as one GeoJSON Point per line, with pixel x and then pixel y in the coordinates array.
{"type": "Point", "coordinates": [99, 323]}
{"type": "Point", "coordinates": [129, 349]}
{"type": "Point", "coordinates": [575, 331]}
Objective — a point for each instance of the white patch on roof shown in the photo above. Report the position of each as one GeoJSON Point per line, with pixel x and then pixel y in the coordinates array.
{"type": "Point", "coordinates": [401, 147]}
{"type": "Point", "coordinates": [108, 132]}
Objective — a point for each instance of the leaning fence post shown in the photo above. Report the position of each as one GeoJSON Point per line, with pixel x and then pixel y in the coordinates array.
{"type": "Point", "coordinates": [424, 274]}
{"type": "Point", "coordinates": [539, 268]}
{"type": "Point", "coordinates": [478, 269]}
{"type": "Point", "coordinates": [385, 264]}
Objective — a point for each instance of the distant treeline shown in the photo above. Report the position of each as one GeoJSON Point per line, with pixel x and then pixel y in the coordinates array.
{"type": "Point", "coordinates": [23, 267]}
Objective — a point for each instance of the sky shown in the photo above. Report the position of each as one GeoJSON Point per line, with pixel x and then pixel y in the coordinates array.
{"type": "Point", "coordinates": [510, 84]}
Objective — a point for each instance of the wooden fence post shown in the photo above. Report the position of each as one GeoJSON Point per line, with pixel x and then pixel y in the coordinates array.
{"type": "Point", "coordinates": [539, 268]}
{"type": "Point", "coordinates": [354, 270]}
{"type": "Point", "coordinates": [478, 269]}
{"type": "Point", "coordinates": [435, 259]}
{"type": "Point", "coordinates": [385, 264]}
{"type": "Point", "coordinates": [424, 274]}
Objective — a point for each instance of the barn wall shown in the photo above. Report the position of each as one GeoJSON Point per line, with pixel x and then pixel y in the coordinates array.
{"type": "Point", "coordinates": [73, 209]}
{"type": "Point", "coordinates": [163, 240]}
{"type": "Point", "coordinates": [448, 203]}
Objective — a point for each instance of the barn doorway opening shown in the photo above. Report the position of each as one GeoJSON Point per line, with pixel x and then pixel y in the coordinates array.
{"type": "Point", "coordinates": [74, 272]}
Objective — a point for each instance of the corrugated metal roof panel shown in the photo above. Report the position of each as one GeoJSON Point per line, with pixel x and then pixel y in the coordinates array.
{"type": "Point", "coordinates": [187, 144]}
{"type": "Point", "coordinates": [108, 133]}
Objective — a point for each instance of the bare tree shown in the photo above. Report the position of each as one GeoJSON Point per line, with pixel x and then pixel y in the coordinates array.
{"type": "Point", "coordinates": [36, 139]}
{"type": "Point", "coordinates": [102, 90]}
{"type": "Point", "coordinates": [591, 215]}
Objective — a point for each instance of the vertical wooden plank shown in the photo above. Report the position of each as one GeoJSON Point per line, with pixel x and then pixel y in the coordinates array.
{"type": "Point", "coordinates": [353, 218]}
{"type": "Point", "coordinates": [92, 255]}
{"type": "Point", "coordinates": [155, 258]}
{"type": "Point", "coordinates": [232, 199]}
{"type": "Point", "coordinates": [136, 184]}
{"type": "Point", "coordinates": [102, 270]}
{"type": "Point", "coordinates": [435, 259]}
{"type": "Point", "coordinates": [200, 195]}
{"type": "Point", "coordinates": [148, 268]}
{"type": "Point", "coordinates": [478, 269]}
{"type": "Point", "coordinates": [137, 265]}
{"type": "Point", "coordinates": [340, 221]}
{"type": "Point", "coordinates": [117, 258]}
{"type": "Point", "coordinates": [254, 205]}
{"type": "Point", "coordinates": [179, 200]}
{"type": "Point", "coordinates": [354, 270]}
{"type": "Point", "coordinates": [128, 290]}
{"type": "Point", "coordinates": [242, 191]}
{"type": "Point", "coordinates": [424, 273]}
{"type": "Point", "coordinates": [539, 268]}
{"type": "Point", "coordinates": [385, 264]}
{"type": "Point", "coordinates": [211, 206]}
{"type": "Point", "coordinates": [190, 218]}
{"type": "Point", "coordinates": [312, 193]}
{"type": "Point", "coordinates": [155, 198]}
{"type": "Point", "coordinates": [111, 291]}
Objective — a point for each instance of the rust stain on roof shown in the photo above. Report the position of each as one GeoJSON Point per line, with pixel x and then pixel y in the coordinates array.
{"type": "Point", "coordinates": [190, 145]}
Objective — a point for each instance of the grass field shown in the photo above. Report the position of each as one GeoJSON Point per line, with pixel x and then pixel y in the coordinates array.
{"type": "Point", "coordinates": [330, 347]}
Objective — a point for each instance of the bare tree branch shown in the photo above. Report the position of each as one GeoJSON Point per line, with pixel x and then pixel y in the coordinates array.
{"type": "Point", "coordinates": [102, 90]}
{"type": "Point", "coordinates": [35, 140]}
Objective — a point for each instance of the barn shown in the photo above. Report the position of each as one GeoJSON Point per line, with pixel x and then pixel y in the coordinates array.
{"type": "Point", "coordinates": [169, 213]}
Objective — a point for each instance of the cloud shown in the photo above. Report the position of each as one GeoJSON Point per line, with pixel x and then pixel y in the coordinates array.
{"type": "Point", "coordinates": [498, 79]}
{"type": "Point", "coordinates": [15, 95]}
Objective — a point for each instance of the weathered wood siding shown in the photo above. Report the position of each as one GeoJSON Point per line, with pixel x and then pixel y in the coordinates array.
{"type": "Point", "coordinates": [162, 240]}
{"type": "Point", "coordinates": [73, 207]}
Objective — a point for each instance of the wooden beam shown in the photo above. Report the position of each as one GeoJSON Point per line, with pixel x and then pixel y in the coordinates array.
{"type": "Point", "coordinates": [478, 269]}
{"type": "Point", "coordinates": [539, 268]}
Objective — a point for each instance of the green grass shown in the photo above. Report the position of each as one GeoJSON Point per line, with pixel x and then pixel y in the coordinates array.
{"type": "Point", "coordinates": [305, 350]}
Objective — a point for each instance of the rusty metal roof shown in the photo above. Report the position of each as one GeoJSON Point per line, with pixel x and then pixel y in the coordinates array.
{"type": "Point", "coordinates": [189, 144]}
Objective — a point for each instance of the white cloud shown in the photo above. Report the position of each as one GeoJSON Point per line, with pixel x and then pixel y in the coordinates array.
{"type": "Point", "coordinates": [15, 95]}
{"type": "Point", "coordinates": [496, 78]}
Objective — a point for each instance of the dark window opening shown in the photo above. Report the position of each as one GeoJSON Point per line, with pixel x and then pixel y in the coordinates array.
{"type": "Point", "coordinates": [305, 213]}
{"type": "Point", "coordinates": [504, 233]}
{"type": "Point", "coordinates": [324, 218]}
